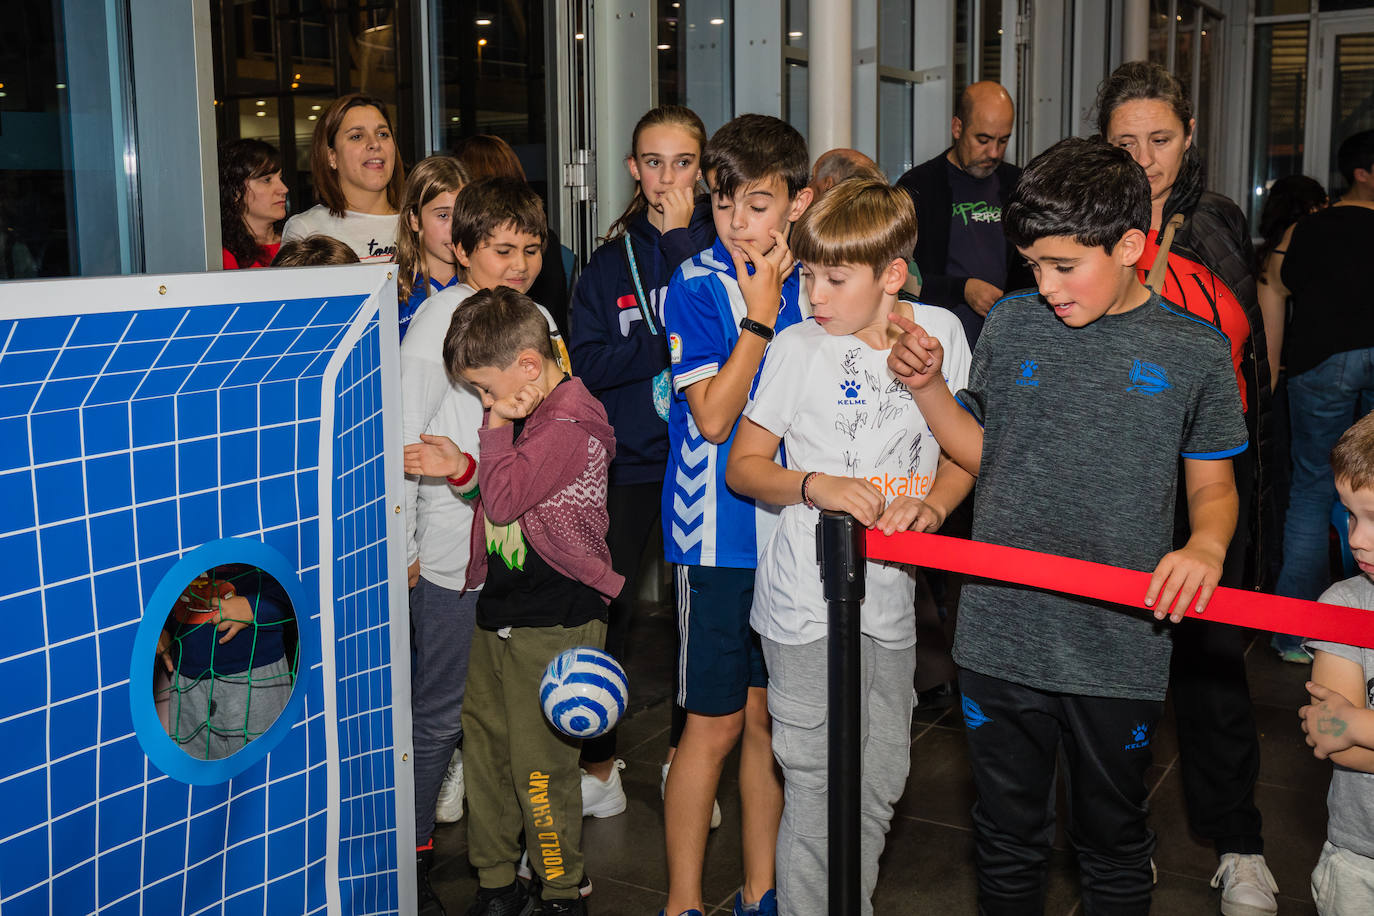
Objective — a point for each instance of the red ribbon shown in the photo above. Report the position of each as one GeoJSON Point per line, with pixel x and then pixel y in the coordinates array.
{"type": "Point", "coordinates": [1238, 607]}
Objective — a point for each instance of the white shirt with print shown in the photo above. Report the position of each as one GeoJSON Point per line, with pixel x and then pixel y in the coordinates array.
{"type": "Point", "coordinates": [371, 236]}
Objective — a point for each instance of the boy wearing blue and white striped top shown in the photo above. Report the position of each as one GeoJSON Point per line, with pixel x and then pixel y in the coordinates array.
{"type": "Point", "coordinates": [723, 308]}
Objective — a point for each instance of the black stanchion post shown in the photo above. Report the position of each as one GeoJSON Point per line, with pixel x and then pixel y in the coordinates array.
{"type": "Point", "coordinates": [840, 550]}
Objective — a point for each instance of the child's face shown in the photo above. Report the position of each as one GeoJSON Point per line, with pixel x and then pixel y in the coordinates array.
{"type": "Point", "coordinates": [1360, 503]}
{"type": "Point", "coordinates": [507, 257]}
{"type": "Point", "coordinates": [754, 211]}
{"type": "Point", "coordinates": [667, 158]}
{"type": "Point", "coordinates": [848, 298]}
{"type": "Point", "coordinates": [1082, 283]}
{"type": "Point", "coordinates": [435, 229]}
{"type": "Point", "coordinates": [493, 384]}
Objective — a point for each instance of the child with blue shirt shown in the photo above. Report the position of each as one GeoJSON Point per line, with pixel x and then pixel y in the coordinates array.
{"type": "Point", "coordinates": [855, 442]}
{"type": "Point", "coordinates": [723, 308]}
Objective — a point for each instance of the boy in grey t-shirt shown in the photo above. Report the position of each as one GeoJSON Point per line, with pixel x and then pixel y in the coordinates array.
{"type": "Point", "coordinates": [1080, 401]}
{"type": "Point", "coordinates": [1339, 721]}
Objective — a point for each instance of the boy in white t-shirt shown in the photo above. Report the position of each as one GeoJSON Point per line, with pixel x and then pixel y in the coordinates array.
{"type": "Point", "coordinates": [854, 441]}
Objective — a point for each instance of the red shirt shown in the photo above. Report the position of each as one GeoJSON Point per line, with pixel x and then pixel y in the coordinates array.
{"type": "Point", "coordinates": [1203, 295]}
{"type": "Point", "coordinates": [269, 252]}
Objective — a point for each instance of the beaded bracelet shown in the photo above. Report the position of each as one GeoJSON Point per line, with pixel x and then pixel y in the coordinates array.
{"type": "Point", "coordinates": [806, 485]}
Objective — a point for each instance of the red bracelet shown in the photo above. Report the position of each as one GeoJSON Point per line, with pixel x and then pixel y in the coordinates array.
{"type": "Point", "coordinates": [462, 480]}
{"type": "Point", "coordinates": [805, 487]}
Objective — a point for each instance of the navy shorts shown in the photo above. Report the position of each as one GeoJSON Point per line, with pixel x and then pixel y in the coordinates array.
{"type": "Point", "coordinates": [720, 656]}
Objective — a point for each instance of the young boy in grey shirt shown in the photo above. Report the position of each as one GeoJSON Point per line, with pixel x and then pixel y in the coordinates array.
{"type": "Point", "coordinates": [1339, 721]}
{"type": "Point", "coordinates": [1081, 398]}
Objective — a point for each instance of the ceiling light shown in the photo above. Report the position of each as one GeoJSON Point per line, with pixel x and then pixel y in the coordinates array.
{"type": "Point", "coordinates": [261, 103]}
{"type": "Point", "coordinates": [313, 118]}
{"type": "Point", "coordinates": [484, 22]}
{"type": "Point", "coordinates": [454, 120]}
{"type": "Point", "coordinates": [794, 34]}
{"type": "Point", "coordinates": [579, 36]}
{"type": "Point", "coordinates": [314, 108]}
{"type": "Point", "coordinates": [717, 22]}
{"type": "Point", "coordinates": [262, 114]}
{"type": "Point", "coordinates": [64, 85]}
{"type": "Point", "coordinates": [665, 47]}
{"type": "Point", "coordinates": [481, 42]}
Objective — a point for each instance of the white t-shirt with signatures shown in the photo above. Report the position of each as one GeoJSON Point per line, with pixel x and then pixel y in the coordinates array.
{"type": "Point", "coordinates": [839, 410]}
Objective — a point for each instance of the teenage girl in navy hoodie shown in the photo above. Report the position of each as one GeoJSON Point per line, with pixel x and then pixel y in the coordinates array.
{"type": "Point", "coordinates": [621, 353]}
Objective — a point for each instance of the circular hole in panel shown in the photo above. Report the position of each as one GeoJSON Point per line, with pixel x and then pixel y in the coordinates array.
{"type": "Point", "coordinates": [214, 683]}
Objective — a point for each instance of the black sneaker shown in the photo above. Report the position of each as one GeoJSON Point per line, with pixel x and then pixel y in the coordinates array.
{"type": "Point", "coordinates": [427, 902]}
{"type": "Point", "coordinates": [511, 900]}
{"type": "Point", "coordinates": [573, 907]}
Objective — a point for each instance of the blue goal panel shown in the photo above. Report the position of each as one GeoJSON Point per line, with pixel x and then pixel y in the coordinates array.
{"type": "Point", "coordinates": [138, 438]}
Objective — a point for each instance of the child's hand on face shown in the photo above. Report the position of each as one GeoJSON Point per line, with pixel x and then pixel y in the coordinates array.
{"type": "Point", "coordinates": [1190, 570]}
{"type": "Point", "coordinates": [677, 205]}
{"type": "Point", "coordinates": [434, 456]}
{"type": "Point", "coordinates": [762, 290]}
{"type": "Point", "coordinates": [907, 513]}
{"type": "Point", "coordinates": [1326, 721]}
{"type": "Point", "coordinates": [519, 405]}
{"type": "Point", "coordinates": [235, 614]}
{"type": "Point", "coordinates": [847, 494]}
{"type": "Point", "coordinates": [916, 357]}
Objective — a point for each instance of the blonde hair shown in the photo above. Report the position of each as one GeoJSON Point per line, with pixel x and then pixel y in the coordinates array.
{"type": "Point", "coordinates": [1352, 460]}
{"type": "Point", "coordinates": [859, 221]}
{"type": "Point", "coordinates": [430, 178]}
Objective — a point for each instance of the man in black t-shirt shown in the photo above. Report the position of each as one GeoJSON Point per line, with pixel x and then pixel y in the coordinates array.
{"type": "Point", "coordinates": [1330, 360]}
{"type": "Point", "coordinates": [963, 257]}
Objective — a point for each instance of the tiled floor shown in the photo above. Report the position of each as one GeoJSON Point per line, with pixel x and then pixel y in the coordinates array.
{"type": "Point", "coordinates": [927, 867]}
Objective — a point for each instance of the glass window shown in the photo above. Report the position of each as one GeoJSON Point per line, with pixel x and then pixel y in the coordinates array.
{"type": "Point", "coordinates": [671, 54]}
{"type": "Point", "coordinates": [796, 96]}
{"type": "Point", "coordinates": [1204, 99]}
{"type": "Point", "coordinates": [1185, 22]}
{"type": "Point", "coordinates": [962, 59]}
{"type": "Point", "coordinates": [990, 42]}
{"type": "Point", "coordinates": [709, 36]}
{"type": "Point", "coordinates": [491, 78]}
{"type": "Point", "coordinates": [797, 26]}
{"type": "Point", "coordinates": [896, 131]}
{"type": "Point", "coordinates": [1283, 7]}
{"type": "Point", "coordinates": [895, 35]}
{"type": "Point", "coordinates": [280, 63]}
{"type": "Point", "coordinates": [68, 204]}
{"type": "Point", "coordinates": [1160, 27]}
{"type": "Point", "coordinates": [1278, 118]}
{"type": "Point", "coordinates": [1352, 100]}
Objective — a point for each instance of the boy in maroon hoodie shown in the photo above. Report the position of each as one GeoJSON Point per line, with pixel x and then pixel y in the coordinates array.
{"type": "Point", "coordinates": [541, 546]}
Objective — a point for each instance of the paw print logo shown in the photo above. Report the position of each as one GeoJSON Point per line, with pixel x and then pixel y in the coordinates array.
{"type": "Point", "coordinates": [1028, 367]}
{"type": "Point", "coordinates": [850, 387]}
{"type": "Point", "coordinates": [1140, 732]}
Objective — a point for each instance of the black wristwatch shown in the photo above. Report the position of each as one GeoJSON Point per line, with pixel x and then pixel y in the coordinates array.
{"type": "Point", "coordinates": [756, 327]}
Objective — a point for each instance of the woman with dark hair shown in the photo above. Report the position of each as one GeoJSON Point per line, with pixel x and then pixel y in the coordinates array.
{"type": "Point", "coordinates": [486, 156]}
{"type": "Point", "coordinates": [252, 203]}
{"type": "Point", "coordinates": [1289, 200]}
{"type": "Point", "coordinates": [359, 179]}
{"type": "Point", "coordinates": [1208, 271]}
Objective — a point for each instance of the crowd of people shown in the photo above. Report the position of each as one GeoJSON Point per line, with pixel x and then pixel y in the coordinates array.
{"type": "Point", "coordinates": [755, 341]}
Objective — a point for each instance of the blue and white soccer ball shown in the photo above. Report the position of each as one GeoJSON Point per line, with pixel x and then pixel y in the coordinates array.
{"type": "Point", "coordinates": [584, 692]}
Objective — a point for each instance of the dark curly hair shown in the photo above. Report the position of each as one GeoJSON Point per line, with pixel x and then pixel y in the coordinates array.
{"type": "Point", "coordinates": [1288, 200]}
{"type": "Point", "coordinates": [241, 161]}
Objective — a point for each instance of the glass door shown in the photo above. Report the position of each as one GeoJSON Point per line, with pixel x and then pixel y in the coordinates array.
{"type": "Point", "coordinates": [1341, 94]}
{"type": "Point", "coordinates": [575, 92]}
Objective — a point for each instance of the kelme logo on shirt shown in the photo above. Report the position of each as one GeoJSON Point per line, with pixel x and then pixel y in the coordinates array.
{"type": "Point", "coordinates": [850, 389]}
{"type": "Point", "coordinates": [1027, 373]}
{"type": "Point", "coordinates": [1148, 378]}
{"type": "Point", "coordinates": [675, 348]}
{"type": "Point", "coordinates": [1140, 737]}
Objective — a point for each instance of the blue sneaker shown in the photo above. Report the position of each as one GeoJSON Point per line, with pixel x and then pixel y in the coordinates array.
{"type": "Point", "coordinates": [767, 906]}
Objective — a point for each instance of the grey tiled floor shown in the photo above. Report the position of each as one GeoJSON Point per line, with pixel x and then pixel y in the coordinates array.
{"type": "Point", "coordinates": [927, 867]}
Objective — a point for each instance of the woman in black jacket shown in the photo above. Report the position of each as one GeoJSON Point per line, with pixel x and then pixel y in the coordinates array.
{"type": "Point", "coordinates": [1144, 109]}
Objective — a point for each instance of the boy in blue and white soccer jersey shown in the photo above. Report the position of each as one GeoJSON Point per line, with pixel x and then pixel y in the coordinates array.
{"type": "Point", "coordinates": [723, 308]}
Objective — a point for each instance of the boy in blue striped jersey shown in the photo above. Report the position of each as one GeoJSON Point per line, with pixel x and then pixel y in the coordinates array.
{"type": "Point", "coordinates": [723, 307]}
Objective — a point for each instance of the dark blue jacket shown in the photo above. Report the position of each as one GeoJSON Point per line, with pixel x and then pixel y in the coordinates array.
{"type": "Point", "coordinates": [615, 351]}
{"type": "Point", "coordinates": [196, 650]}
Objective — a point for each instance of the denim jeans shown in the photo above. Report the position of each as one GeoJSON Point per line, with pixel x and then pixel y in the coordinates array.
{"type": "Point", "coordinates": [1323, 402]}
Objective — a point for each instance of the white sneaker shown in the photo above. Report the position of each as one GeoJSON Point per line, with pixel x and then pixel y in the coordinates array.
{"type": "Point", "coordinates": [603, 799]}
{"type": "Point", "coordinates": [663, 788]}
{"type": "Point", "coordinates": [1247, 886]}
{"type": "Point", "coordinates": [449, 807]}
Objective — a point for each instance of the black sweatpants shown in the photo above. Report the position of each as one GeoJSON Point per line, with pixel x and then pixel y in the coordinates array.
{"type": "Point", "coordinates": [634, 511]}
{"type": "Point", "coordinates": [1015, 737]}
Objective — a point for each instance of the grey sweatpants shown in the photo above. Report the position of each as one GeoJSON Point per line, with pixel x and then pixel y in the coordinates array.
{"type": "Point", "coordinates": [441, 624]}
{"type": "Point", "coordinates": [1343, 882]}
{"type": "Point", "coordinates": [211, 717]}
{"type": "Point", "coordinates": [797, 692]}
